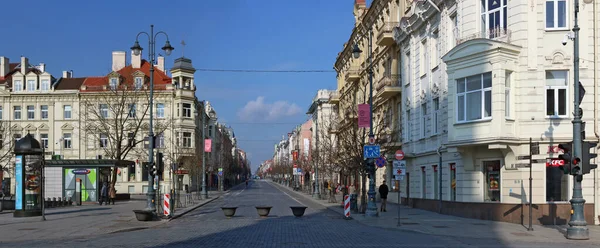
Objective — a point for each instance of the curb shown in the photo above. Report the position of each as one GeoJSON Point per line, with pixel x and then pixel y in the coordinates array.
{"type": "Point", "coordinates": [308, 197]}
{"type": "Point", "coordinates": [193, 208]}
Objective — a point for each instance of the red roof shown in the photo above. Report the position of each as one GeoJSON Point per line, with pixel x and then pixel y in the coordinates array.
{"type": "Point", "coordinates": [161, 80]}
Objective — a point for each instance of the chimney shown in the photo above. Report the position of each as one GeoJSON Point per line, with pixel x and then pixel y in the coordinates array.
{"type": "Point", "coordinates": [136, 60]}
{"type": "Point", "coordinates": [24, 64]}
{"type": "Point", "coordinates": [67, 74]}
{"type": "Point", "coordinates": [4, 66]}
{"type": "Point", "coordinates": [118, 60]}
{"type": "Point", "coordinates": [42, 67]}
{"type": "Point", "coordinates": [160, 63]}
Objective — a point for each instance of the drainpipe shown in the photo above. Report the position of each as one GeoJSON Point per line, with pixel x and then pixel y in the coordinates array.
{"type": "Point", "coordinates": [595, 39]}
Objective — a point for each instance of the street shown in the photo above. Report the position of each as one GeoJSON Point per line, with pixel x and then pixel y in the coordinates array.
{"type": "Point", "coordinates": [319, 227]}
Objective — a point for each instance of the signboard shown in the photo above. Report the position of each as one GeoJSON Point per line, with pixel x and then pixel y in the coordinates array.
{"type": "Point", "coordinates": [220, 173]}
{"type": "Point", "coordinates": [295, 155]}
{"type": "Point", "coordinates": [399, 168]}
{"type": "Point", "coordinates": [80, 171]}
{"type": "Point", "coordinates": [380, 162]}
{"type": "Point", "coordinates": [220, 169]}
{"type": "Point", "coordinates": [371, 151]}
{"type": "Point", "coordinates": [295, 166]}
{"type": "Point", "coordinates": [207, 145]}
{"type": "Point", "coordinates": [371, 140]}
{"type": "Point", "coordinates": [364, 115]}
{"type": "Point", "coordinates": [181, 172]}
{"type": "Point", "coordinates": [399, 178]}
{"type": "Point", "coordinates": [399, 155]}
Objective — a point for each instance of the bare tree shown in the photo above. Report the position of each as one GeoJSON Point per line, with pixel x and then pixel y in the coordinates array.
{"type": "Point", "coordinates": [116, 118]}
{"type": "Point", "coordinates": [7, 143]}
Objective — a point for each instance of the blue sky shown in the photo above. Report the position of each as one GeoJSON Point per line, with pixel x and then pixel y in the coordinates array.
{"type": "Point", "coordinates": [229, 34]}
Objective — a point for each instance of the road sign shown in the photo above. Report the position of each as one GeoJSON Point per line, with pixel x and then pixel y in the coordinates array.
{"type": "Point", "coordinates": [539, 161]}
{"type": "Point", "coordinates": [523, 157]}
{"type": "Point", "coordinates": [399, 168]}
{"type": "Point", "coordinates": [521, 165]}
{"type": "Point", "coordinates": [220, 173]}
{"type": "Point", "coordinates": [380, 162]}
{"type": "Point", "coordinates": [399, 155]}
{"type": "Point", "coordinates": [220, 169]}
{"type": "Point", "coordinates": [581, 92]}
{"type": "Point", "coordinates": [371, 151]}
{"type": "Point", "coordinates": [295, 166]}
{"type": "Point", "coordinates": [400, 177]}
{"type": "Point", "coordinates": [535, 148]}
{"type": "Point", "coordinates": [372, 140]}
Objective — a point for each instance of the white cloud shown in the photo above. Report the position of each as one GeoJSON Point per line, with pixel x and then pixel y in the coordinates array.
{"type": "Point", "coordinates": [259, 110]}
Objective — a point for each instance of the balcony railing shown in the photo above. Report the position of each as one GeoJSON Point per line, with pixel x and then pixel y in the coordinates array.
{"type": "Point", "coordinates": [385, 36]}
{"type": "Point", "coordinates": [498, 33]}
{"type": "Point", "coordinates": [388, 80]}
{"type": "Point", "coordinates": [352, 73]}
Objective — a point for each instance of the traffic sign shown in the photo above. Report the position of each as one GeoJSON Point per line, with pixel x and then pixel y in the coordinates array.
{"type": "Point", "coordinates": [220, 173]}
{"type": "Point", "coordinates": [372, 140]}
{"type": "Point", "coordinates": [295, 166]}
{"type": "Point", "coordinates": [371, 151]}
{"type": "Point", "coordinates": [399, 168]}
{"type": "Point", "coordinates": [399, 155]}
{"type": "Point", "coordinates": [399, 177]}
{"type": "Point", "coordinates": [220, 169]}
{"type": "Point", "coordinates": [521, 165]}
{"type": "Point", "coordinates": [523, 157]}
{"type": "Point", "coordinates": [380, 162]}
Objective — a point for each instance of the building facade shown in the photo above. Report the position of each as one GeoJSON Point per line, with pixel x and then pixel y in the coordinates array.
{"type": "Point", "coordinates": [494, 74]}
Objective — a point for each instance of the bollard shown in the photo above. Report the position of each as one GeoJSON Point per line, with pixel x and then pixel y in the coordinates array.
{"type": "Point", "coordinates": [347, 208]}
{"type": "Point", "coordinates": [70, 200]}
{"type": "Point", "coordinates": [54, 203]}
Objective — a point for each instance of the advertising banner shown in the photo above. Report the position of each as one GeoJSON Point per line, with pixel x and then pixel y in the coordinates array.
{"type": "Point", "coordinates": [33, 176]}
{"type": "Point", "coordinates": [18, 182]}
{"type": "Point", "coordinates": [207, 145]}
{"type": "Point", "coordinates": [364, 115]}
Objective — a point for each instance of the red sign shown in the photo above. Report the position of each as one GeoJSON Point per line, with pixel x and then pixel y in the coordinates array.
{"type": "Point", "coordinates": [399, 155]}
{"type": "Point", "coordinates": [555, 162]}
{"type": "Point", "coordinates": [452, 166]}
{"type": "Point", "coordinates": [364, 115]}
{"type": "Point", "coordinates": [207, 145]}
{"type": "Point", "coordinates": [181, 172]}
{"type": "Point", "coordinates": [295, 155]}
{"type": "Point", "coordinates": [295, 166]}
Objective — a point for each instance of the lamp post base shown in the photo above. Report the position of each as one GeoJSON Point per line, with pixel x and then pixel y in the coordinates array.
{"type": "Point", "coordinates": [316, 196]}
{"type": "Point", "coordinates": [204, 195]}
{"type": "Point", "coordinates": [578, 233]}
{"type": "Point", "coordinates": [371, 205]}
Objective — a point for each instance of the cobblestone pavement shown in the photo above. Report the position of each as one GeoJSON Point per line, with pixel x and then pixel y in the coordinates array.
{"type": "Point", "coordinates": [320, 227]}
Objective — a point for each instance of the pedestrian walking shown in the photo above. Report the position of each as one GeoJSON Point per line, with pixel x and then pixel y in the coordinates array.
{"type": "Point", "coordinates": [112, 194]}
{"type": "Point", "coordinates": [383, 192]}
{"type": "Point", "coordinates": [104, 193]}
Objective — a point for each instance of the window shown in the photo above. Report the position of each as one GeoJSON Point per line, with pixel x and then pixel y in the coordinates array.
{"type": "Point", "coordinates": [67, 141]}
{"type": "Point", "coordinates": [423, 57]}
{"type": "Point", "coordinates": [113, 83]}
{"type": "Point", "coordinates": [187, 110]}
{"type": "Point", "coordinates": [493, 18]}
{"type": "Point", "coordinates": [160, 141]}
{"type": "Point", "coordinates": [44, 138]}
{"type": "Point", "coordinates": [103, 140]}
{"type": "Point", "coordinates": [18, 86]}
{"type": "Point", "coordinates": [556, 14]}
{"type": "Point", "coordinates": [435, 50]}
{"type": "Point", "coordinates": [131, 173]}
{"type": "Point", "coordinates": [399, 130]}
{"type": "Point", "coordinates": [31, 85]}
{"type": "Point", "coordinates": [45, 85]}
{"type": "Point", "coordinates": [436, 181]}
{"type": "Point", "coordinates": [210, 131]}
{"type": "Point", "coordinates": [557, 183]}
{"type": "Point", "coordinates": [67, 111]}
{"type": "Point", "coordinates": [423, 119]}
{"type": "Point", "coordinates": [138, 83]}
{"type": "Point", "coordinates": [17, 112]}
{"type": "Point", "coordinates": [104, 110]}
{"type": "Point", "coordinates": [44, 112]}
{"type": "Point", "coordinates": [160, 110]}
{"type": "Point", "coordinates": [408, 127]}
{"type": "Point", "coordinates": [187, 139]}
{"type": "Point", "coordinates": [132, 109]}
{"type": "Point", "coordinates": [452, 31]}
{"type": "Point", "coordinates": [423, 182]}
{"type": "Point", "coordinates": [492, 180]}
{"type": "Point", "coordinates": [131, 139]}
{"type": "Point", "coordinates": [30, 112]}
{"type": "Point", "coordinates": [474, 98]}
{"type": "Point", "coordinates": [452, 167]}
{"type": "Point", "coordinates": [507, 107]}
{"type": "Point", "coordinates": [556, 93]}
{"type": "Point", "coordinates": [1, 112]}
{"type": "Point", "coordinates": [408, 69]}
{"type": "Point", "coordinates": [436, 115]}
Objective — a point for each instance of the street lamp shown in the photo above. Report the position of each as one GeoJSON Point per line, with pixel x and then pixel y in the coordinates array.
{"type": "Point", "coordinates": [137, 50]}
{"type": "Point", "coordinates": [369, 163]}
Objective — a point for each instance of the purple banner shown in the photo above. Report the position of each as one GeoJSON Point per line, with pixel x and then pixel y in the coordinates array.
{"type": "Point", "coordinates": [364, 116]}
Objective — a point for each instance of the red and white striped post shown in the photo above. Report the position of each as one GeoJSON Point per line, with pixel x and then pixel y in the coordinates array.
{"type": "Point", "coordinates": [166, 205]}
{"type": "Point", "coordinates": [347, 207]}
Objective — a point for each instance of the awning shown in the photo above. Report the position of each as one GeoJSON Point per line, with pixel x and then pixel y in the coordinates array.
{"type": "Point", "coordinates": [88, 163]}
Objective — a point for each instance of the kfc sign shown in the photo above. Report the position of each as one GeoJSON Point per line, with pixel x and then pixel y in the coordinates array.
{"type": "Point", "coordinates": [555, 162]}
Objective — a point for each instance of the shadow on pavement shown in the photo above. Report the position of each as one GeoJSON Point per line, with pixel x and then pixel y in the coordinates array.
{"type": "Point", "coordinates": [78, 211]}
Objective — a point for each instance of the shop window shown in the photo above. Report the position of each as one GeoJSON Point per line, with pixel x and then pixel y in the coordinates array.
{"type": "Point", "coordinates": [453, 181]}
{"type": "Point", "coordinates": [492, 176]}
{"type": "Point", "coordinates": [557, 183]}
{"type": "Point", "coordinates": [131, 173]}
{"type": "Point", "coordinates": [145, 171]}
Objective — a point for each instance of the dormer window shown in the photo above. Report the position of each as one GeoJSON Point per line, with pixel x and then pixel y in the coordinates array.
{"type": "Point", "coordinates": [138, 83]}
{"type": "Point", "coordinates": [45, 86]}
{"type": "Point", "coordinates": [18, 86]}
{"type": "Point", "coordinates": [31, 85]}
{"type": "Point", "coordinates": [113, 83]}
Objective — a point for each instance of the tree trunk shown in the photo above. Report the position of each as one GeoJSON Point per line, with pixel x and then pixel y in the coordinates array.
{"type": "Point", "coordinates": [363, 197]}
{"type": "Point", "coordinates": [113, 176]}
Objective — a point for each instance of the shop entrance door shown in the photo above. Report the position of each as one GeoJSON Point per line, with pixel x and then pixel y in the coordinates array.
{"type": "Point", "coordinates": [88, 178]}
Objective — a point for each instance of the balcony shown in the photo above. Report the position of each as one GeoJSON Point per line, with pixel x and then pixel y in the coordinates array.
{"type": "Point", "coordinates": [498, 33]}
{"type": "Point", "coordinates": [334, 98]}
{"type": "Point", "coordinates": [334, 127]}
{"type": "Point", "coordinates": [385, 36]}
{"type": "Point", "coordinates": [388, 86]}
{"type": "Point", "coordinates": [352, 74]}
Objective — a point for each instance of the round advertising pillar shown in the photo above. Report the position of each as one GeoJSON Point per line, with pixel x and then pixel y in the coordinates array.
{"type": "Point", "coordinates": [28, 177]}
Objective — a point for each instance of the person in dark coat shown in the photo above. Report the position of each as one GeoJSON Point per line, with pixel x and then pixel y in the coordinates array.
{"type": "Point", "coordinates": [383, 192]}
{"type": "Point", "coordinates": [104, 193]}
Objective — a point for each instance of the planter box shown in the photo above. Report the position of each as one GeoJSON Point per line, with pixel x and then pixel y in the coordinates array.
{"type": "Point", "coordinates": [263, 211]}
{"type": "Point", "coordinates": [144, 215]}
{"type": "Point", "coordinates": [229, 211]}
{"type": "Point", "coordinates": [298, 211]}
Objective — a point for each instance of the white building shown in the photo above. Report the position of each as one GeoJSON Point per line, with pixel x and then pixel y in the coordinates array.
{"type": "Point", "coordinates": [480, 79]}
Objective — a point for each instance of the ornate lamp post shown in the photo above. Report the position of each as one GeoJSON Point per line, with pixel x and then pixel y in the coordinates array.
{"type": "Point", "coordinates": [369, 163]}
{"type": "Point", "coordinates": [137, 50]}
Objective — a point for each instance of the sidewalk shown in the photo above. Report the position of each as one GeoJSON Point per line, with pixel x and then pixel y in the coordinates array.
{"type": "Point", "coordinates": [85, 220]}
{"type": "Point", "coordinates": [422, 221]}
